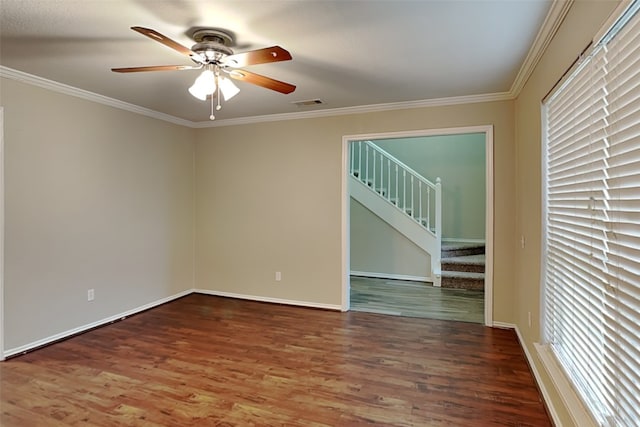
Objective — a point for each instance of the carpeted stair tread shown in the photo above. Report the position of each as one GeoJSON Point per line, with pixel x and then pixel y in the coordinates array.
{"type": "Point", "coordinates": [448, 246]}
{"type": "Point", "coordinates": [456, 250]}
{"type": "Point", "coordinates": [462, 280]}
{"type": "Point", "coordinates": [463, 274]}
{"type": "Point", "coordinates": [470, 263]}
{"type": "Point", "coordinates": [465, 259]}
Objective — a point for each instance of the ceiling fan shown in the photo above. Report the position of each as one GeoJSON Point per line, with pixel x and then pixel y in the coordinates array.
{"type": "Point", "coordinates": [212, 52]}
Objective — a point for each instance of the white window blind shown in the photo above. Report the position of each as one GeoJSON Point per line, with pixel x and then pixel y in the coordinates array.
{"type": "Point", "coordinates": [591, 274]}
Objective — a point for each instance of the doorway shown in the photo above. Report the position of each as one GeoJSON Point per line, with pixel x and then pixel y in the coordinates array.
{"type": "Point", "coordinates": [456, 231]}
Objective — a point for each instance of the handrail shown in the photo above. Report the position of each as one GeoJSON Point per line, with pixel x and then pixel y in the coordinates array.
{"type": "Point", "coordinates": [399, 184]}
{"type": "Point", "coordinates": [400, 163]}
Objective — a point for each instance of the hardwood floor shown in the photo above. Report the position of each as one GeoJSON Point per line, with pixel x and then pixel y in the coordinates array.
{"type": "Point", "coordinates": [416, 299]}
{"type": "Point", "coordinates": [211, 361]}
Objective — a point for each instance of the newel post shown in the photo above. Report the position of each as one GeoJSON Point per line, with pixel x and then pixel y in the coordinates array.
{"type": "Point", "coordinates": [436, 257]}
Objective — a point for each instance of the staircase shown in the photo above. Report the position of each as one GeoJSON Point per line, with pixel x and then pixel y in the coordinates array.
{"type": "Point", "coordinates": [463, 266]}
{"type": "Point", "coordinates": [399, 196]}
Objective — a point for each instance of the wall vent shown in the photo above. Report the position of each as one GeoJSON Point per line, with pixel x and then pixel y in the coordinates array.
{"type": "Point", "coordinates": [308, 102]}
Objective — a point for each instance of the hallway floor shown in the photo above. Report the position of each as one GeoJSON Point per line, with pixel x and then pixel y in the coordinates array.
{"type": "Point", "coordinates": [416, 299]}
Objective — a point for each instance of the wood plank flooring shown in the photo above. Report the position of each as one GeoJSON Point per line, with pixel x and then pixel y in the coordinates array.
{"type": "Point", "coordinates": [211, 361]}
{"type": "Point", "coordinates": [416, 299]}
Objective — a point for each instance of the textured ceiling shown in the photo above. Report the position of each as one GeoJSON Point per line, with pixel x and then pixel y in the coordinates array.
{"type": "Point", "coordinates": [346, 53]}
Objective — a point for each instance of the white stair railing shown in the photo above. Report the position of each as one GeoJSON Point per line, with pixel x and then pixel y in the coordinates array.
{"type": "Point", "coordinates": [400, 185]}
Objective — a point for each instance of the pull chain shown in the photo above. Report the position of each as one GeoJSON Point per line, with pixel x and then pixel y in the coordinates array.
{"type": "Point", "coordinates": [218, 107]}
{"type": "Point", "coordinates": [212, 117]}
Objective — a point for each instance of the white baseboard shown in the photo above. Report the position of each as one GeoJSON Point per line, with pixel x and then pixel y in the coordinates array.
{"type": "Point", "coordinates": [392, 276]}
{"type": "Point", "coordinates": [503, 325]}
{"type": "Point", "coordinates": [270, 300]}
{"type": "Point", "coordinates": [536, 374]}
{"type": "Point", "coordinates": [71, 332]}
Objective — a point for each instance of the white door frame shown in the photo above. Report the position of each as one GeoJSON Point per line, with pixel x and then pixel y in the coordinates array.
{"type": "Point", "coordinates": [489, 178]}
{"type": "Point", "coordinates": [1, 234]}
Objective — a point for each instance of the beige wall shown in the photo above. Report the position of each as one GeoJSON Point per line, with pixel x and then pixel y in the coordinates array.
{"type": "Point", "coordinates": [95, 198]}
{"type": "Point", "coordinates": [581, 24]}
{"type": "Point", "coordinates": [269, 199]}
{"type": "Point", "coordinates": [101, 198]}
{"type": "Point", "coordinates": [377, 247]}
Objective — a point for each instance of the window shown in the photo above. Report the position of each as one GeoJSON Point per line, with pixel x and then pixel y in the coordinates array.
{"type": "Point", "coordinates": [591, 273]}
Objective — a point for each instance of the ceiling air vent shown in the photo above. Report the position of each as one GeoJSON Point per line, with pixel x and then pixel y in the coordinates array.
{"type": "Point", "coordinates": [308, 102]}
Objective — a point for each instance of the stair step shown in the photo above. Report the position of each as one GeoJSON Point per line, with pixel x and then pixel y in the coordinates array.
{"type": "Point", "coordinates": [470, 263]}
{"type": "Point", "coordinates": [463, 268]}
{"type": "Point", "coordinates": [463, 274]}
{"type": "Point", "coordinates": [456, 250]}
{"type": "Point", "coordinates": [462, 280]}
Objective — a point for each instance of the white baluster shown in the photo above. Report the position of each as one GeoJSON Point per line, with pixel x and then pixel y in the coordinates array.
{"type": "Point", "coordinates": [420, 201]}
{"type": "Point", "coordinates": [389, 179]}
{"type": "Point", "coordinates": [360, 160]}
{"type": "Point", "coordinates": [397, 194]}
{"type": "Point", "coordinates": [404, 190]}
{"type": "Point", "coordinates": [382, 175]}
{"type": "Point", "coordinates": [366, 176]}
{"type": "Point", "coordinates": [374, 170]}
{"type": "Point", "coordinates": [413, 213]}
{"type": "Point", "coordinates": [429, 208]}
{"type": "Point", "coordinates": [352, 148]}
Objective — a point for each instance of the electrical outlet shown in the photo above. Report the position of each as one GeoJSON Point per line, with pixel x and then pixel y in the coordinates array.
{"type": "Point", "coordinates": [522, 241]}
{"type": "Point", "coordinates": [90, 295]}
{"type": "Point", "coordinates": [278, 276]}
{"type": "Point", "coordinates": [529, 314]}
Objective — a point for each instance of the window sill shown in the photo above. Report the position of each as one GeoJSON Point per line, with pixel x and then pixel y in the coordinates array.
{"type": "Point", "coordinates": [578, 412]}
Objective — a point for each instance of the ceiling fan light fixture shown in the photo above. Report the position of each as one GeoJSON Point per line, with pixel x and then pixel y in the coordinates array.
{"type": "Point", "coordinates": [204, 85]}
{"type": "Point", "coordinates": [228, 88]}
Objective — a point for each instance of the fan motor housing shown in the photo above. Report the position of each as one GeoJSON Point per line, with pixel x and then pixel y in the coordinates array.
{"type": "Point", "coordinates": [212, 43]}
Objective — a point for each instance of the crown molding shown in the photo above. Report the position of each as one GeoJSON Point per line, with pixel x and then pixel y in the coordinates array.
{"type": "Point", "coordinates": [112, 102]}
{"type": "Point", "coordinates": [373, 108]}
{"type": "Point", "coordinates": [23, 77]}
{"type": "Point", "coordinates": [553, 20]}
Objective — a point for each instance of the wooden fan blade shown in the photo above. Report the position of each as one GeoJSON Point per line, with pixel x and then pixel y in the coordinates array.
{"type": "Point", "coordinates": [259, 56]}
{"type": "Point", "coordinates": [156, 68]}
{"type": "Point", "coordinates": [154, 35]}
{"type": "Point", "coordinates": [266, 82]}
